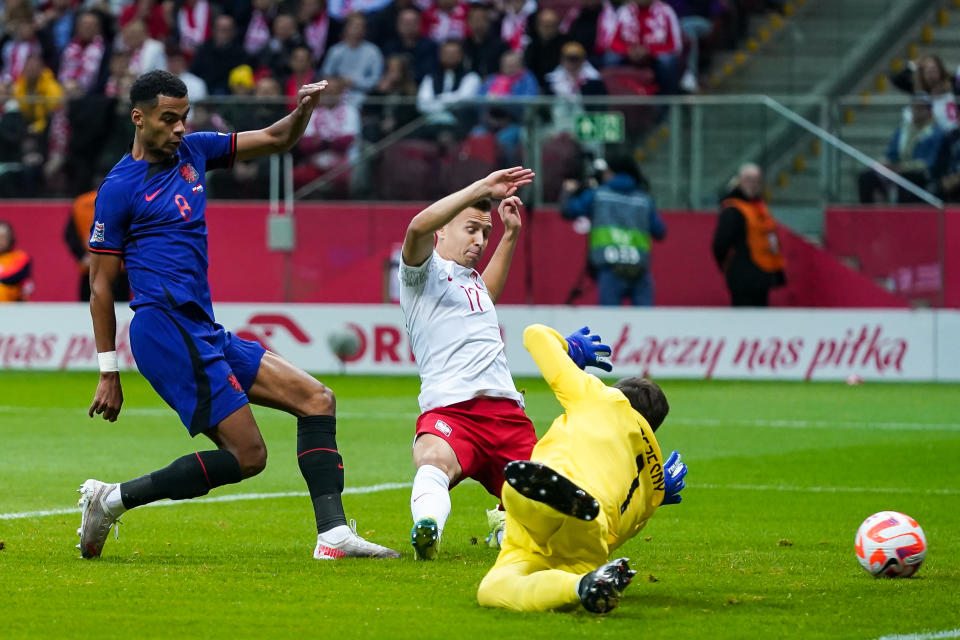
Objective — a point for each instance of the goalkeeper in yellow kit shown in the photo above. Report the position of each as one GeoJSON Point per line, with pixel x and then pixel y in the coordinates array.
{"type": "Point", "coordinates": [592, 483]}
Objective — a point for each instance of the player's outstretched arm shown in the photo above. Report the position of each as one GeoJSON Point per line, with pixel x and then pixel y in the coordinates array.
{"type": "Point", "coordinates": [550, 352]}
{"type": "Point", "coordinates": [418, 243]}
{"type": "Point", "coordinates": [495, 275]}
{"type": "Point", "coordinates": [104, 269]}
{"type": "Point", "coordinates": [284, 133]}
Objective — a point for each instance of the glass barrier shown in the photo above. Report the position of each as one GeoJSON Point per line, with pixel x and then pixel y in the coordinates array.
{"type": "Point", "coordinates": [392, 149]}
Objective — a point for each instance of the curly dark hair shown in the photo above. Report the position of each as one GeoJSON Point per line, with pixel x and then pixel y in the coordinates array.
{"type": "Point", "coordinates": [646, 397]}
{"type": "Point", "coordinates": [147, 88]}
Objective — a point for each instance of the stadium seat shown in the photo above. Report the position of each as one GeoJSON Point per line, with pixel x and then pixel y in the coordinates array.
{"type": "Point", "coordinates": [481, 147]}
{"type": "Point", "coordinates": [632, 81]}
{"type": "Point", "coordinates": [562, 159]}
{"type": "Point", "coordinates": [408, 170]}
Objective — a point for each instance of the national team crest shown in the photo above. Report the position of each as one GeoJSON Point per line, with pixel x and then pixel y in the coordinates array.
{"type": "Point", "coordinates": [98, 231]}
{"type": "Point", "coordinates": [188, 173]}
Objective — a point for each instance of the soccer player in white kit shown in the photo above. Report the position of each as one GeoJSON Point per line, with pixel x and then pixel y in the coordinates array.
{"type": "Point", "coordinates": [472, 421]}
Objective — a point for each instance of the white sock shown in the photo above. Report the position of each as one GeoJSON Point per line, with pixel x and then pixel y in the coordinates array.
{"type": "Point", "coordinates": [430, 496]}
{"type": "Point", "coordinates": [336, 535]}
{"type": "Point", "coordinates": [113, 502]}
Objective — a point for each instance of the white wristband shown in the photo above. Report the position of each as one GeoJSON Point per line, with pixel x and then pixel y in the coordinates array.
{"type": "Point", "coordinates": [108, 361]}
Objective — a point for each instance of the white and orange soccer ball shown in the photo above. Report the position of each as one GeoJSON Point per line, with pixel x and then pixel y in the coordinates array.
{"type": "Point", "coordinates": [891, 544]}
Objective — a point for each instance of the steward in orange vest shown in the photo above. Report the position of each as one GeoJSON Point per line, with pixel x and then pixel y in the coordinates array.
{"type": "Point", "coordinates": [747, 248]}
{"type": "Point", "coordinates": [15, 267]}
{"type": "Point", "coordinates": [76, 234]}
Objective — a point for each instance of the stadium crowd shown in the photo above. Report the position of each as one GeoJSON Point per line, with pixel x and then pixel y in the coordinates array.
{"type": "Point", "coordinates": [66, 67]}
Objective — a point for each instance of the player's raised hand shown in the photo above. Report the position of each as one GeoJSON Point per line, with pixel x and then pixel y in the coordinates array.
{"type": "Point", "coordinates": [109, 397]}
{"type": "Point", "coordinates": [504, 183]}
{"type": "Point", "coordinates": [586, 350]}
{"type": "Point", "coordinates": [509, 211]}
{"type": "Point", "coordinates": [309, 95]}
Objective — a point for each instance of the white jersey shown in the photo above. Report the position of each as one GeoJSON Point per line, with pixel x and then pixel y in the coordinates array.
{"type": "Point", "coordinates": [454, 334]}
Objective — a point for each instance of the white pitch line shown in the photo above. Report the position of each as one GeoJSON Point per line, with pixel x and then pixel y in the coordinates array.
{"type": "Point", "coordinates": [388, 486]}
{"type": "Point", "coordinates": [794, 488]}
{"type": "Point", "coordinates": [693, 422]}
{"type": "Point", "coordinates": [232, 497]}
{"type": "Point", "coordinates": [926, 635]}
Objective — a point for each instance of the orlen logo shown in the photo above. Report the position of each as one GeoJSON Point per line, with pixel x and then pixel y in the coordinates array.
{"type": "Point", "coordinates": [264, 327]}
{"type": "Point", "coordinates": [379, 343]}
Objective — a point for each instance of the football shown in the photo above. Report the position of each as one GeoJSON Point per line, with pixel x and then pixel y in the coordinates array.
{"type": "Point", "coordinates": [890, 544]}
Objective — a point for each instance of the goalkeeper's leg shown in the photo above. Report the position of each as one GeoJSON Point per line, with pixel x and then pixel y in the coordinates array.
{"type": "Point", "coordinates": [527, 584]}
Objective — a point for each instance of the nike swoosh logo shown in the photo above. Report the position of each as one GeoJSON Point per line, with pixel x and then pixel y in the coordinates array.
{"type": "Point", "coordinates": [152, 195]}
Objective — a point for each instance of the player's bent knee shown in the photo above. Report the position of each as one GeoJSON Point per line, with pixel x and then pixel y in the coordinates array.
{"type": "Point", "coordinates": [252, 459]}
{"type": "Point", "coordinates": [320, 401]}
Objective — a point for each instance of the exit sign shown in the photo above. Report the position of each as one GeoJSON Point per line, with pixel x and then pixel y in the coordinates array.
{"type": "Point", "coordinates": [600, 127]}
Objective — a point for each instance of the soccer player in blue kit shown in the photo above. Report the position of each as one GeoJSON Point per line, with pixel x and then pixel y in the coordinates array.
{"type": "Point", "coordinates": [150, 215]}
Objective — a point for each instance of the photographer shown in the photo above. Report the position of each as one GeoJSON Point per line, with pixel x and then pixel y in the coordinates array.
{"type": "Point", "coordinates": [622, 220]}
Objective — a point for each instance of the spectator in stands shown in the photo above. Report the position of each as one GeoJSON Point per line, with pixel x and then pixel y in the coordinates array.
{"type": "Point", "coordinates": [394, 105]}
{"type": "Point", "coordinates": [219, 55]}
{"type": "Point", "coordinates": [146, 54]}
{"type": "Point", "coordinates": [445, 20]}
{"type": "Point", "coordinates": [505, 121]}
{"type": "Point", "coordinates": [156, 15]}
{"type": "Point", "coordinates": [592, 23]}
{"type": "Point", "coordinates": [623, 221]}
{"type": "Point", "coordinates": [515, 22]}
{"type": "Point", "coordinates": [914, 153]}
{"type": "Point", "coordinates": [18, 49]}
{"type": "Point", "coordinates": [746, 246]}
{"type": "Point", "coordinates": [483, 47]}
{"type": "Point", "coordinates": [696, 22]}
{"type": "Point", "coordinates": [931, 78]}
{"type": "Point", "coordinates": [422, 51]}
{"type": "Point", "coordinates": [439, 94]}
{"type": "Point", "coordinates": [314, 24]}
{"type": "Point", "coordinates": [300, 72]}
{"type": "Point", "coordinates": [543, 53]}
{"type": "Point", "coordinates": [82, 58]}
{"type": "Point", "coordinates": [193, 24]}
{"type": "Point", "coordinates": [15, 267]}
{"type": "Point", "coordinates": [79, 132]}
{"type": "Point", "coordinates": [648, 32]}
{"type": "Point", "coordinates": [341, 9]}
{"type": "Point", "coordinates": [357, 62]}
{"type": "Point", "coordinates": [57, 22]}
{"type": "Point", "coordinates": [121, 77]}
{"type": "Point", "coordinates": [177, 65]}
{"type": "Point", "coordinates": [257, 33]}
{"type": "Point", "coordinates": [39, 94]}
{"type": "Point", "coordinates": [329, 139]}
{"type": "Point", "coordinates": [949, 184]}
{"type": "Point", "coordinates": [250, 179]}
{"type": "Point", "coordinates": [573, 78]}
{"type": "Point", "coordinates": [275, 56]}
{"type": "Point", "coordinates": [12, 132]}
{"type": "Point", "coordinates": [242, 86]}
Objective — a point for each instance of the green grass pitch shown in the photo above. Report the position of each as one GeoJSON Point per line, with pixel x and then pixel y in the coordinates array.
{"type": "Point", "coordinates": [781, 475]}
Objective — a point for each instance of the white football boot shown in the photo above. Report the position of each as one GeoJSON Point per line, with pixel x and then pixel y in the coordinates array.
{"type": "Point", "coordinates": [350, 546]}
{"type": "Point", "coordinates": [96, 520]}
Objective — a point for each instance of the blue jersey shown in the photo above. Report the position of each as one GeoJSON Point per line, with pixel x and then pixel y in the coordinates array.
{"type": "Point", "coordinates": [152, 214]}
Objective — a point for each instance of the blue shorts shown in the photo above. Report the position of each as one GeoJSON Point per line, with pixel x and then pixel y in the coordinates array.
{"type": "Point", "coordinates": [197, 367]}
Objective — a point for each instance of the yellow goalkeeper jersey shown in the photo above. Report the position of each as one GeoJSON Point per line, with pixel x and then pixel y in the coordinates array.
{"type": "Point", "coordinates": [600, 442]}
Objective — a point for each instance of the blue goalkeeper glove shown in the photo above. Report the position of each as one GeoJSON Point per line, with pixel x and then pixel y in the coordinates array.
{"type": "Point", "coordinates": [586, 351]}
{"type": "Point", "coordinates": [674, 470]}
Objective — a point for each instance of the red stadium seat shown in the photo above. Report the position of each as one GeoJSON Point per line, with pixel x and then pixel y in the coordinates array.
{"type": "Point", "coordinates": [482, 147]}
{"type": "Point", "coordinates": [407, 171]}
{"type": "Point", "coordinates": [562, 159]}
{"type": "Point", "coordinates": [632, 81]}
